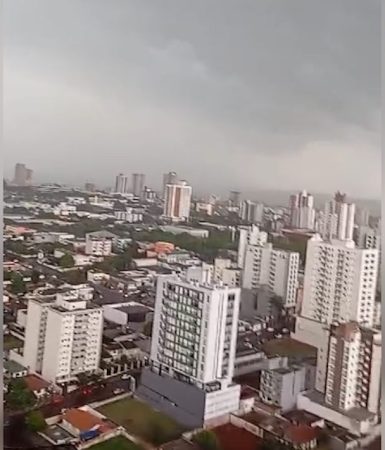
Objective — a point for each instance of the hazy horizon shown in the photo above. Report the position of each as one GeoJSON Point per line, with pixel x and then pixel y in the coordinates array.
{"type": "Point", "coordinates": [250, 96]}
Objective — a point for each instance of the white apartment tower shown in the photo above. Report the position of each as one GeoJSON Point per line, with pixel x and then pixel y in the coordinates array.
{"type": "Point", "coordinates": [177, 201]}
{"type": "Point", "coordinates": [193, 350]}
{"type": "Point", "coordinates": [63, 338]}
{"type": "Point", "coordinates": [302, 212]}
{"type": "Point", "coordinates": [353, 377]}
{"type": "Point", "coordinates": [121, 184]}
{"type": "Point", "coordinates": [99, 243]}
{"type": "Point", "coordinates": [169, 178]}
{"type": "Point", "coordinates": [249, 236]}
{"type": "Point", "coordinates": [276, 269]}
{"type": "Point", "coordinates": [339, 283]}
{"type": "Point", "coordinates": [337, 220]}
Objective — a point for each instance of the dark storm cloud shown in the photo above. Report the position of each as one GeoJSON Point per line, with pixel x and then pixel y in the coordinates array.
{"type": "Point", "coordinates": [254, 94]}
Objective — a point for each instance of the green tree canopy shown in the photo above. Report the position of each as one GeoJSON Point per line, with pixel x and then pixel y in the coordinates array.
{"type": "Point", "coordinates": [19, 397]}
{"type": "Point", "coordinates": [207, 440]}
{"type": "Point", "coordinates": [17, 283]}
{"type": "Point", "coordinates": [67, 261]}
{"type": "Point", "coordinates": [35, 421]}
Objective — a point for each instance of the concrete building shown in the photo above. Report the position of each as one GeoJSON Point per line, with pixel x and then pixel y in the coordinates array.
{"type": "Point", "coordinates": [121, 184]}
{"type": "Point", "coordinates": [277, 269]}
{"type": "Point", "coordinates": [63, 338]}
{"type": "Point", "coordinates": [368, 237]}
{"type": "Point", "coordinates": [169, 178]}
{"type": "Point", "coordinates": [280, 387]}
{"type": "Point", "coordinates": [99, 243]}
{"type": "Point", "coordinates": [23, 175]}
{"type": "Point", "coordinates": [251, 212]}
{"type": "Point", "coordinates": [339, 282]}
{"type": "Point", "coordinates": [337, 220]}
{"type": "Point", "coordinates": [130, 215]}
{"type": "Point", "coordinates": [138, 182]}
{"type": "Point", "coordinates": [193, 351]}
{"type": "Point", "coordinates": [177, 201]}
{"type": "Point", "coordinates": [251, 235]}
{"type": "Point", "coordinates": [302, 212]}
{"type": "Point", "coordinates": [354, 368]}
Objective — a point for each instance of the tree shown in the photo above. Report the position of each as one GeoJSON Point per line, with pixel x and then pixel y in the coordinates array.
{"type": "Point", "coordinates": [19, 397]}
{"type": "Point", "coordinates": [66, 261]}
{"type": "Point", "coordinates": [207, 440]}
{"type": "Point", "coordinates": [35, 421]}
{"type": "Point", "coordinates": [17, 283]}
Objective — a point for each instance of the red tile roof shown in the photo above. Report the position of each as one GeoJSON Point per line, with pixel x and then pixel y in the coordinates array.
{"type": "Point", "coordinates": [301, 434]}
{"type": "Point", "coordinates": [84, 420]}
{"type": "Point", "coordinates": [35, 383]}
{"type": "Point", "coordinates": [233, 438]}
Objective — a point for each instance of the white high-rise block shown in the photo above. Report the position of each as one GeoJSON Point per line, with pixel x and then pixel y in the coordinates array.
{"type": "Point", "coordinates": [177, 201]}
{"type": "Point", "coordinates": [249, 235]}
{"type": "Point", "coordinates": [63, 338]}
{"type": "Point", "coordinates": [195, 330]}
{"type": "Point", "coordinates": [277, 269]}
{"type": "Point", "coordinates": [354, 368]}
{"type": "Point", "coordinates": [339, 283]}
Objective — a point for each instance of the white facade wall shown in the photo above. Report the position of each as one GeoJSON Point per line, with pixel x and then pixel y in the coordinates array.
{"type": "Point", "coordinates": [177, 201]}
{"type": "Point", "coordinates": [187, 313]}
{"type": "Point", "coordinates": [98, 247]}
{"type": "Point", "coordinates": [277, 269]}
{"type": "Point", "coordinates": [339, 283]}
{"type": "Point", "coordinates": [249, 236]}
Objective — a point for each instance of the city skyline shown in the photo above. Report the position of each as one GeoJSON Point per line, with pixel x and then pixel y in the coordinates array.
{"type": "Point", "coordinates": [158, 94]}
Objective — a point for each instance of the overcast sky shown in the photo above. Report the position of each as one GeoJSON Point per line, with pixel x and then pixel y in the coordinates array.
{"type": "Point", "coordinates": [248, 95]}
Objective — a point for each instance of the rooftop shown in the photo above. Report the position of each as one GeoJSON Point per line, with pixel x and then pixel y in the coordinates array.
{"type": "Point", "coordinates": [231, 437]}
{"type": "Point", "coordinates": [83, 420]}
{"type": "Point", "coordinates": [179, 444]}
{"type": "Point", "coordinates": [13, 367]}
{"type": "Point", "coordinates": [35, 383]}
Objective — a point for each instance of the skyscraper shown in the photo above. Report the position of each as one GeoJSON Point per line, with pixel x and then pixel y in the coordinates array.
{"type": "Point", "coordinates": [337, 219]}
{"type": "Point", "coordinates": [121, 184]}
{"type": "Point", "coordinates": [302, 212]}
{"type": "Point", "coordinates": [251, 212]}
{"type": "Point", "coordinates": [177, 201]}
{"type": "Point", "coordinates": [340, 282]}
{"type": "Point", "coordinates": [169, 178]}
{"type": "Point", "coordinates": [249, 236]}
{"type": "Point", "coordinates": [193, 350]}
{"type": "Point", "coordinates": [23, 175]}
{"type": "Point", "coordinates": [235, 198]}
{"type": "Point", "coordinates": [138, 181]}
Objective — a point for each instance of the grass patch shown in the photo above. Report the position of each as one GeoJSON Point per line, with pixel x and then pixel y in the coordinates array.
{"type": "Point", "coordinates": [141, 420]}
{"type": "Point", "coordinates": [11, 342]}
{"type": "Point", "coordinates": [290, 348]}
{"type": "Point", "coordinates": [116, 443]}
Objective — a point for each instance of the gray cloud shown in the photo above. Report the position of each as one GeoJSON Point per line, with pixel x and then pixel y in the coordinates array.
{"type": "Point", "coordinates": [231, 94]}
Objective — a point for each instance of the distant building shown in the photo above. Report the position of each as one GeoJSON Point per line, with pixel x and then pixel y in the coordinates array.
{"type": "Point", "coordinates": [23, 175]}
{"type": "Point", "coordinates": [121, 184]}
{"type": "Point", "coordinates": [130, 215]}
{"type": "Point", "coordinates": [251, 212]}
{"type": "Point", "coordinates": [337, 219]}
{"type": "Point", "coordinates": [177, 201]}
{"type": "Point", "coordinates": [138, 182]}
{"type": "Point", "coordinates": [235, 198]}
{"type": "Point", "coordinates": [249, 235]}
{"type": "Point", "coordinates": [90, 187]}
{"type": "Point", "coordinates": [169, 178]}
{"type": "Point", "coordinates": [193, 351]}
{"type": "Point", "coordinates": [302, 212]}
{"type": "Point", "coordinates": [99, 243]}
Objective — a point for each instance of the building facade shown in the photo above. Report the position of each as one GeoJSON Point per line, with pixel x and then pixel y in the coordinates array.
{"type": "Point", "coordinates": [339, 282]}
{"type": "Point", "coordinates": [99, 243]}
{"type": "Point", "coordinates": [177, 201]}
{"type": "Point", "coordinates": [301, 210]}
{"type": "Point", "coordinates": [138, 182]}
{"type": "Point", "coordinates": [193, 350]}
{"type": "Point", "coordinates": [63, 338]}
{"type": "Point", "coordinates": [251, 235]}
{"type": "Point", "coordinates": [121, 184]}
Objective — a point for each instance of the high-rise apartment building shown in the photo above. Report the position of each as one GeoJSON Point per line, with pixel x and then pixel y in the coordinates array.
{"type": "Point", "coordinates": [276, 269]}
{"type": "Point", "coordinates": [251, 235]}
{"type": "Point", "coordinates": [353, 376]}
{"type": "Point", "coordinates": [121, 184]}
{"type": "Point", "coordinates": [302, 212]}
{"type": "Point", "coordinates": [177, 201]}
{"type": "Point", "coordinates": [63, 338]}
{"type": "Point", "coordinates": [251, 212]}
{"type": "Point", "coordinates": [169, 178]}
{"type": "Point", "coordinates": [337, 219]}
{"type": "Point", "coordinates": [23, 175]}
{"type": "Point", "coordinates": [138, 182]}
{"type": "Point", "coordinates": [339, 283]}
{"type": "Point", "coordinates": [193, 350]}
{"type": "Point", "coordinates": [99, 243]}
{"type": "Point", "coordinates": [235, 198]}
